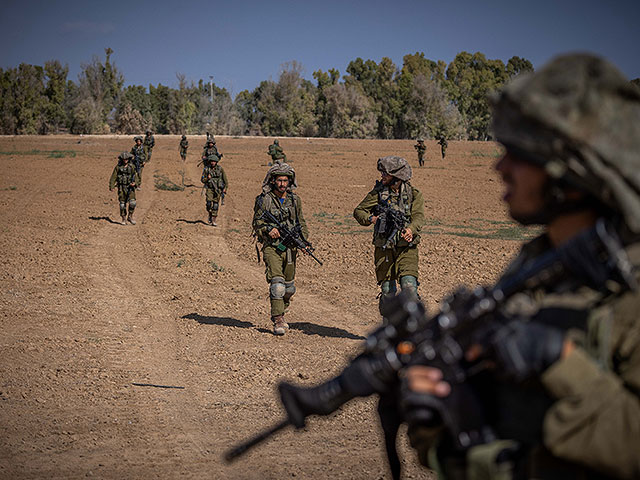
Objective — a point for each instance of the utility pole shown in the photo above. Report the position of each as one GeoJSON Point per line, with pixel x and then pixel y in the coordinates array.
{"type": "Point", "coordinates": [211, 87]}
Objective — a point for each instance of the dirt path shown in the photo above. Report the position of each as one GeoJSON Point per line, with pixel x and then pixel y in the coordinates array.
{"type": "Point", "coordinates": [146, 350]}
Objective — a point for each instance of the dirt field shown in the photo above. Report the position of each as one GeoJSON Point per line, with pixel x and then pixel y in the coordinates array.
{"type": "Point", "coordinates": [89, 308]}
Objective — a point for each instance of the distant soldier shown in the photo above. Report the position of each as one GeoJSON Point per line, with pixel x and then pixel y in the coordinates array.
{"type": "Point", "coordinates": [278, 198]}
{"type": "Point", "coordinates": [184, 146]}
{"type": "Point", "coordinates": [210, 152]}
{"type": "Point", "coordinates": [277, 153]}
{"type": "Point", "coordinates": [396, 209]}
{"type": "Point", "coordinates": [149, 142]}
{"type": "Point", "coordinates": [139, 158]}
{"type": "Point", "coordinates": [443, 145]}
{"type": "Point", "coordinates": [215, 181]}
{"type": "Point", "coordinates": [421, 148]}
{"type": "Point", "coordinates": [125, 177]}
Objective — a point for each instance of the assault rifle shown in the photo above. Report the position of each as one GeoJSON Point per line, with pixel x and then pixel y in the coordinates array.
{"type": "Point", "coordinates": [390, 222]}
{"type": "Point", "coordinates": [291, 238]}
{"type": "Point", "coordinates": [408, 337]}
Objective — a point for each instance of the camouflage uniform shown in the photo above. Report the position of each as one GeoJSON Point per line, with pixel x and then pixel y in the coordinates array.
{"type": "Point", "coordinates": [579, 119]}
{"type": "Point", "coordinates": [443, 146]}
{"type": "Point", "coordinates": [148, 143]}
{"type": "Point", "coordinates": [216, 184]}
{"type": "Point", "coordinates": [277, 153]}
{"type": "Point", "coordinates": [395, 258]}
{"type": "Point", "coordinates": [421, 148]}
{"type": "Point", "coordinates": [184, 145]}
{"type": "Point", "coordinates": [210, 153]}
{"type": "Point", "coordinates": [125, 177]}
{"type": "Point", "coordinates": [139, 158]}
{"type": "Point", "coordinates": [280, 260]}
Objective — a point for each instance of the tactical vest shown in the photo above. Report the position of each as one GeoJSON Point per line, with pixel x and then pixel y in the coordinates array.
{"type": "Point", "coordinates": [402, 201]}
{"type": "Point", "coordinates": [287, 213]}
{"type": "Point", "coordinates": [125, 172]}
{"type": "Point", "coordinates": [216, 182]}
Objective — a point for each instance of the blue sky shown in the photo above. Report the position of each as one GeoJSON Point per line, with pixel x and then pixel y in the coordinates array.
{"type": "Point", "coordinates": [240, 43]}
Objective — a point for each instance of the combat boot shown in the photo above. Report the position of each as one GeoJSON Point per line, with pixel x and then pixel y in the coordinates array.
{"type": "Point", "coordinates": [213, 221]}
{"type": "Point", "coordinates": [124, 220]}
{"type": "Point", "coordinates": [131, 220]}
{"type": "Point", "coordinates": [279, 325]}
{"type": "Point", "coordinates": [210, 219]}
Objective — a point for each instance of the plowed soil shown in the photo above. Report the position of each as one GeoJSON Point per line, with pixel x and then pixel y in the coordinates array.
{"type": "Point", "coordinates": [146, 351]}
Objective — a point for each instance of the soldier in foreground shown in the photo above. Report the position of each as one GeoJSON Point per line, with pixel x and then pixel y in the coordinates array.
{"type": "Point", "coordinates": [277, 198]}
{"type": "Point", "coordinates": [277, 153]}
{"type": "Point", "coordinates": [149, 142]}
{"type": "Point", "coordinates": [564, 401]}
{"type": "Point", "coordinates": [215, 181]}
{"type": "Point", "coordinates": [125, 177]}
{"type": "Point", "coordinates": [139, 158]}
{"type": "Point", "coordinates": [396, 209]}
{"type": "Point", "coordinates": [420, 148]}
{"type": "Point", "coordinates": [443, 145]}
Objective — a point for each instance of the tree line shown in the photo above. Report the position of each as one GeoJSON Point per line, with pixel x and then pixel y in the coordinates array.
{"type": "Point", "coordinates": [422, 98]}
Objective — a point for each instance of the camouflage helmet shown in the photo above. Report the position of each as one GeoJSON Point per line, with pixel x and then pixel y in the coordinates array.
{"type": "Point", "coordinates": [579, 118]}
{"type": "Point", "coordinates": [420, 140]}
{"type": "Point", "coordinates": [148, 132]}
{"type": "Point", "coordinates": [395, 166]}
{"type": "Point", "coordinates": [279, 170]}
{"type": "Point", "coordinates": [125, 156]}
{"type": "Point", "coordinates": [184, 136]}
{"type": "Point", "coordinates": [135, 139]}
{"type": "Point", "coordinates": [276, 142]}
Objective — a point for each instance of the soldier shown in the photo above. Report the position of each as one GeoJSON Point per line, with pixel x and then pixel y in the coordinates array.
{"type": "Point", "coordinates": [277, 153]}
{"type": "Point", "coordinates": [149, 142]}
{"type": "Point", "coordinates": [565, 399]}
{"type": "Point", "coordinates": [139, 158]}
{"type": "Point", "coordinates": [278, 198]}
{"type": "Point", "coordinates": [184, 146]}
{"type": "Point", "coordinates": [210, 152]}
{"type": "Point", "coordinates": [396, 208]}
{"type": "Point", "coordinates": [421, 148]}
{"type": "Point", "coordinates": [443, 145]}
{"type": "Point", "coordinates": [126, 178]}
{"type": "Point", "coordinates": [216, 183]}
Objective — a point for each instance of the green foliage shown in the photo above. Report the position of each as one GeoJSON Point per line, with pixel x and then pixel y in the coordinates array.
{"type": "Point", "coordinates": [163, 183]}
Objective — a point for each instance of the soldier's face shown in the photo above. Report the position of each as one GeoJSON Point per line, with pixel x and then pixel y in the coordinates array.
{"type": "Point", "coordinates": [282, 183]}
{"type": "Point", "coordinates": [524, 186]}
{"type": "Point", "coordinates": [138, 142]}
{"type": "Point", "coordinates": [386, 178]}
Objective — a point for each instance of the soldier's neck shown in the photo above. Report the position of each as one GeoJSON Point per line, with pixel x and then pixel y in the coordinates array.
{"type": "Point", "coordinates": [279, 194]}
{"type": "Point", "coordinates": [566, 226]}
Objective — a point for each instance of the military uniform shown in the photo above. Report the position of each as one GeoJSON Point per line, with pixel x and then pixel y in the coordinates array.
{"type": "Point", "coordinates": [215, 181]}
{"type": "Point", "coordinates": [421, 148]}
{"type": "Point", "coordinates": [277, 153]}
{"type": "Point", "coordinates": [578, 414]}
{"type": "Point", "coordinates": [211, 154]}
{"type": "Point", "coordinates": [395, 259]}
{"type": "Point", "coordinates": [139, 159]}
{"type": "Point", "coordinates": [443, 146]}
{"type": "Point", "coordinates": [148, 143]}
{"type": "Point", "coordinates": [279, 259]}
{"type": "Point", "coordinates": [125, 177]}
{"type": "Point", "coordinates": [184, 145]}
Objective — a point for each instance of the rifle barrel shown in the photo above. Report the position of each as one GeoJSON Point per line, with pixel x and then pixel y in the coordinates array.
{"type": "Point", "coordinates": [241, 449]}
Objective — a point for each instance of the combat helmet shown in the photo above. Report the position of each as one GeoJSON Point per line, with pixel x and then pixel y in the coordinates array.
{"type": "Point", "coordinates": [278, 170]}
{"type": "Point", "coordinates": [395, 166]}
{"type": "Point", "coordinates": [184, 136]}
{"type": "Point", "coordinates": [579, 118]}
{"type": "Point", "coordinates": [135, 139]}
{"type": "Point", "coordinates": [276, 142]}
{"type": "Point", "coordinates": [125, 156]}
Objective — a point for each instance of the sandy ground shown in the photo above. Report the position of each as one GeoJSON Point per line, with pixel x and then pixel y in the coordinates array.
{"type": "Point", "coordinates": [90, 308]}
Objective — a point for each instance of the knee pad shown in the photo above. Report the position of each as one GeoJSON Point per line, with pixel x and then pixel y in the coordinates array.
{"type": "Point", "coordinates": [214, 206]}
{"type": "Point", "coordinates": [123, 205]}
{"type": "Point", "coordinates": [388, 287]}
{"type": "Point", "coordinates": [208, 205]}
{"type": "Point", "coordinates": [277, 288]}
{"type": "Point", "coordinates": [132, 204]}
{"type": "Point", "coordinates": [289, 289]}
{"type": "Point", "coordinates": [409, 282]}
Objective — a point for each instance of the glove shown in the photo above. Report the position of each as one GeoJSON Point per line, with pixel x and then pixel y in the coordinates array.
{"type": "Point", "coordinates": [526, 349]}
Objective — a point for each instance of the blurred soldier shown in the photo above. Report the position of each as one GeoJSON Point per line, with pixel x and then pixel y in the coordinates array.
{"type": "Point", "coordinates": [565, 400]}
{"type": "Point", "coordinates": [184, 146]}
{"type": "Point", "coordinates": [396, 208]}
{"type": "Point", "coordinates": [210, 152]}
{"type": "Point", "coordinates": [216, 183]}
{"type": "Point", "coordinates": [443, 145]}
{"type": "Point", "coordinates": [125, 177]}
{"type": "Point", "coordinates": [277, 153]}
{"type": "Point", "coordinates": [278, 198]}
{"type": "Point", "coordinates": [139, 158]}
{"type": "Point", "coordinates": [421, 148]}
{"type": "Point", "coordinates": [149, 142]}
